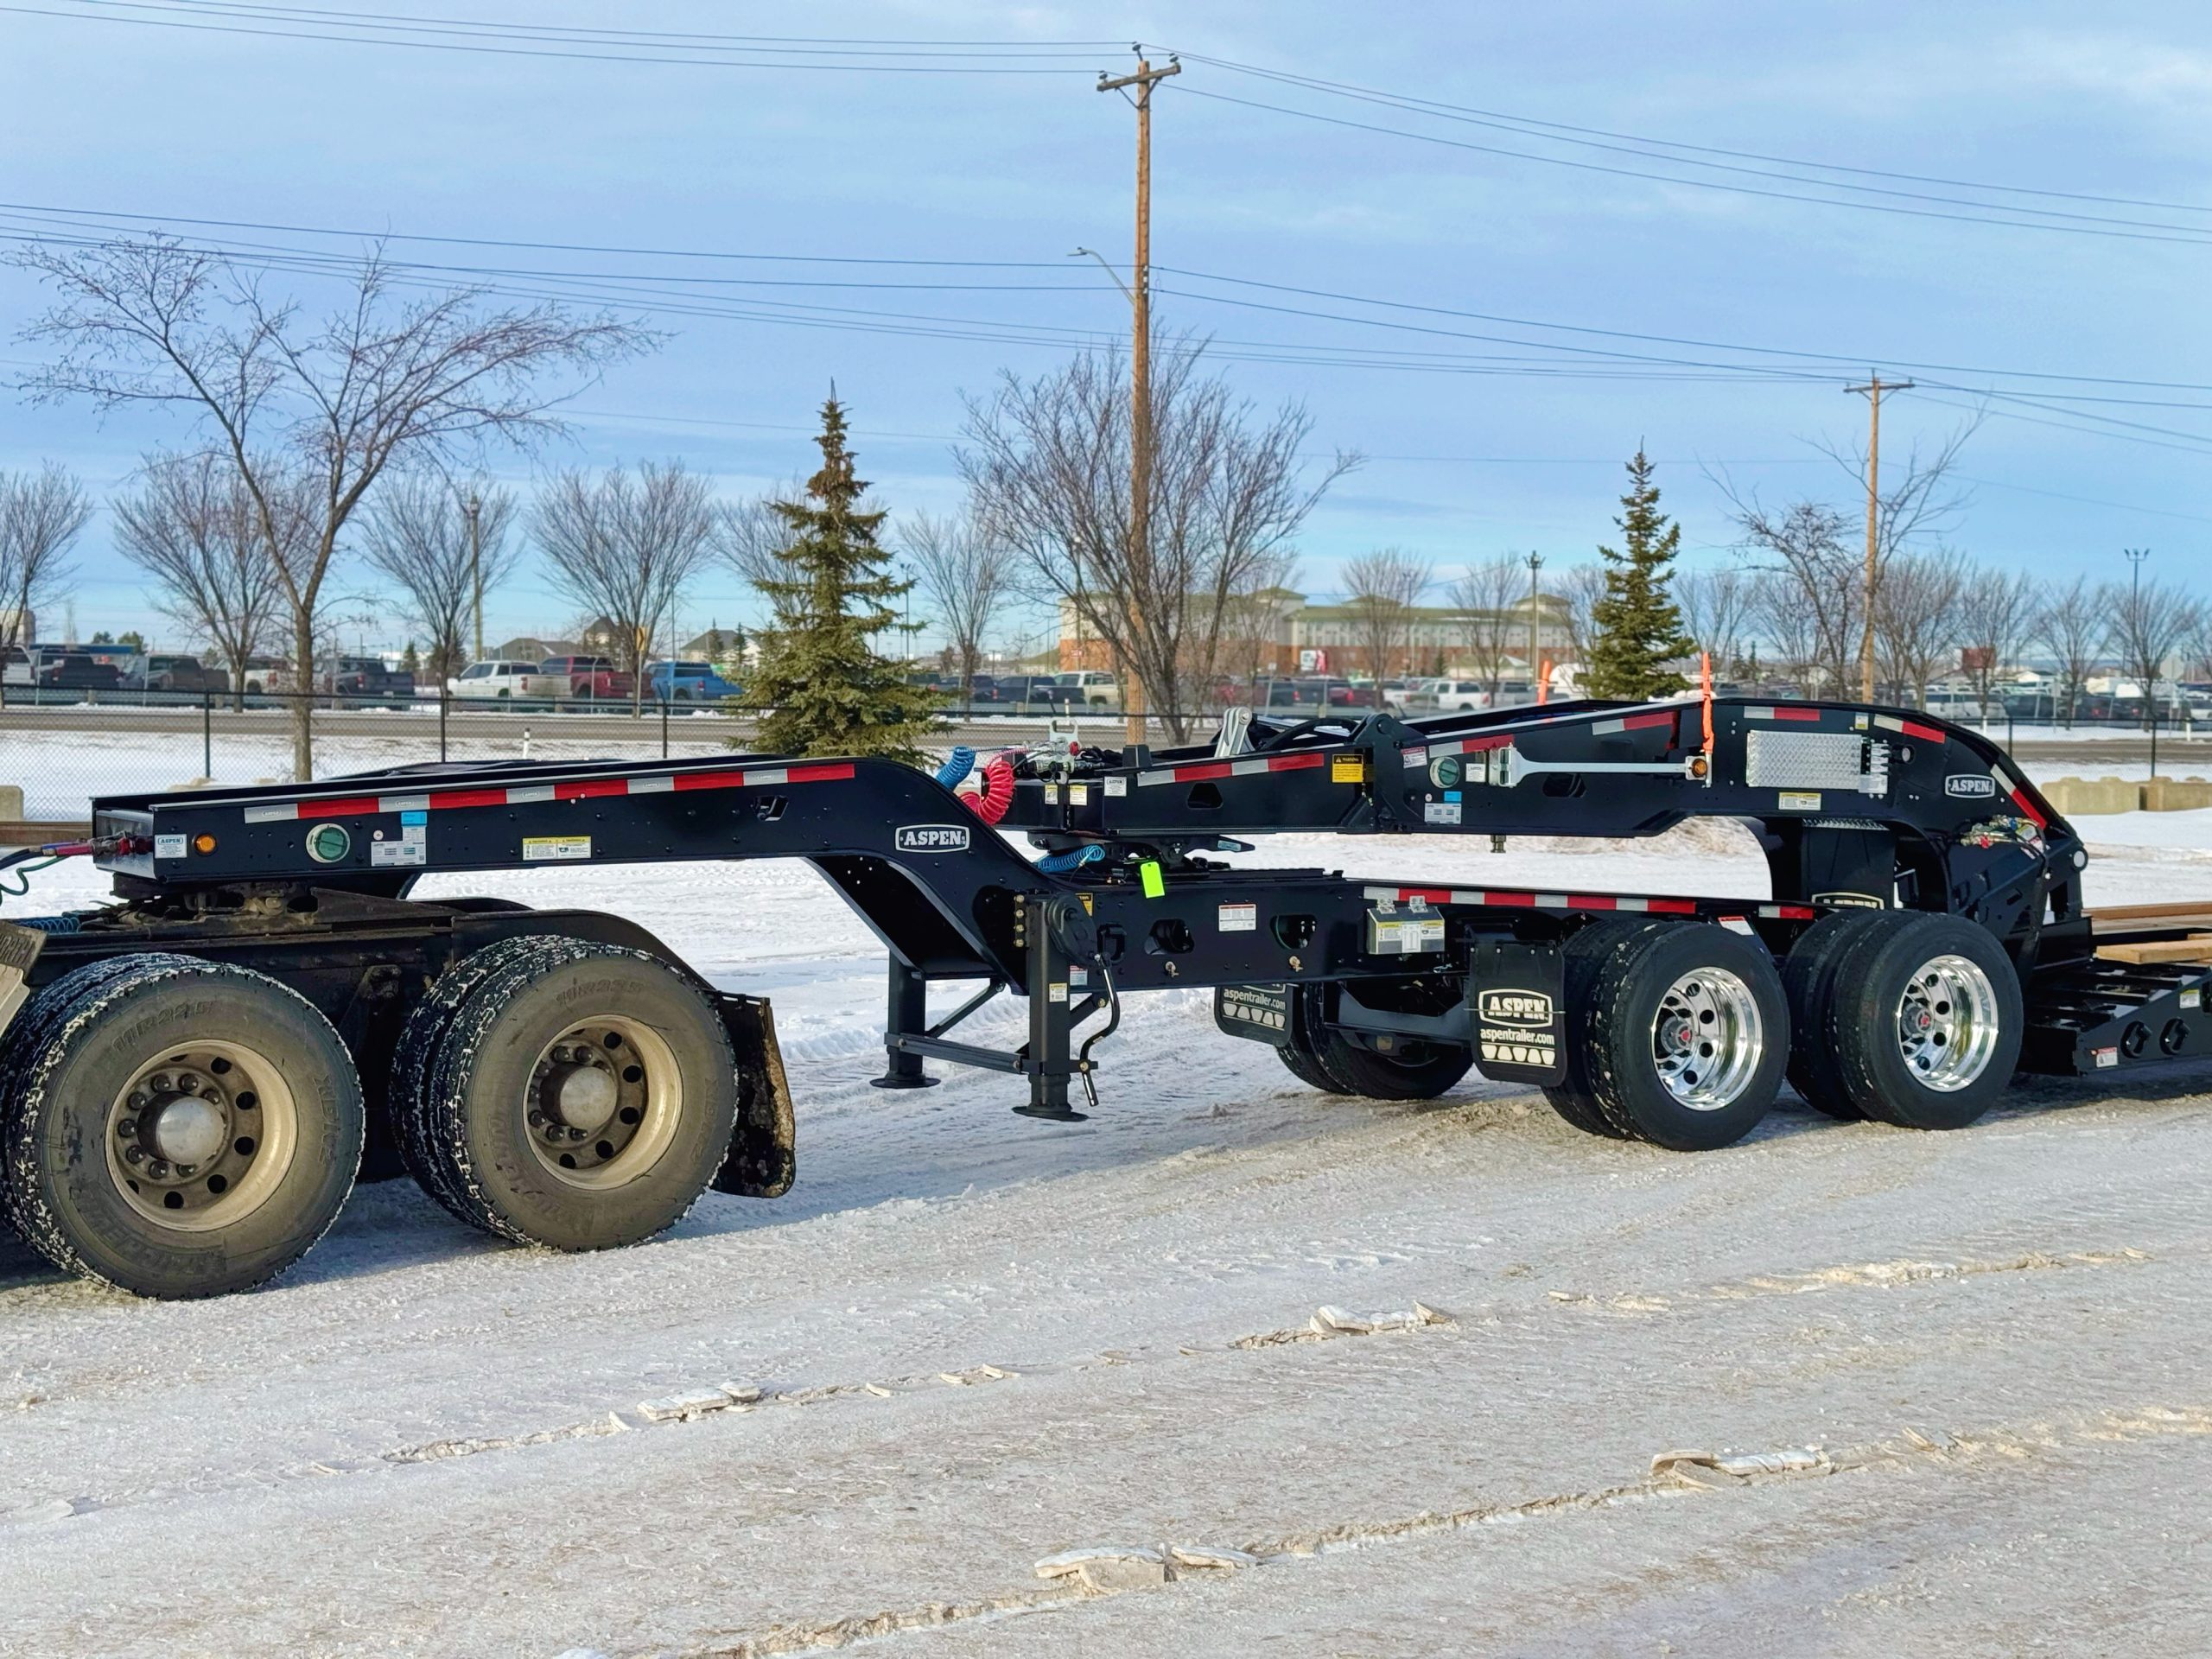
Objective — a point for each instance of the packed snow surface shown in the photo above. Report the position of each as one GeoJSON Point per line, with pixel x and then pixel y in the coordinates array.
{"type": "Point", "coordinates": [1232, 1367]}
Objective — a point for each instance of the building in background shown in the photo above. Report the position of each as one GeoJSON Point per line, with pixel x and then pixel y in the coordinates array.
{"type": "Point", "coordinates": [1280, 632]}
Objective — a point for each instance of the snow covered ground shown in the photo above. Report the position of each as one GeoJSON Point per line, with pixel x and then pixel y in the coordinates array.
{"type": "Point", "coordinates": [981, 1341]}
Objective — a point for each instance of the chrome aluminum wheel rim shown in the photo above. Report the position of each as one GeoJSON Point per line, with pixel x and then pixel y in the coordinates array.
{"type": "Point", "coordinates": [1946, 1023]}
{"type": "Point", "coordinates": [1707, 1039]}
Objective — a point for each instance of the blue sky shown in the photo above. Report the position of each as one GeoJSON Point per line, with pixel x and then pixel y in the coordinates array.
{"type": "Point", "coordinates": [114, 116]}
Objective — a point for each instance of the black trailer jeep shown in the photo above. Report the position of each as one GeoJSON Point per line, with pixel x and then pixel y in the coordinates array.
{"type": "Point", "coordinates": [192, 1075]}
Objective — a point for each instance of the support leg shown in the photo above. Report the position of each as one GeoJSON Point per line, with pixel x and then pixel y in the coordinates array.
{"type": "Point", "coordinates": [905, 1014]}
{"type": "Point", "coordinates": [1049, 1056]}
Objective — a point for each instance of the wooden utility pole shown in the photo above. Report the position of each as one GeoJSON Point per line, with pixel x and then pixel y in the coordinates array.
{"type": "Point", "coordinates": [1140, 556]}
{"type": "Point", "coordinates": [1873, 389]}
{"type": "Point", "coordinates": [474, 508]}
{"type": "Point", "coordinates": [1535, 610]}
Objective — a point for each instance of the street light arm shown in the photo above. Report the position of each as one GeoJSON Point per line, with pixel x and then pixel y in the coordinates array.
{"type": "Point", "coordinates": [1078, 253]}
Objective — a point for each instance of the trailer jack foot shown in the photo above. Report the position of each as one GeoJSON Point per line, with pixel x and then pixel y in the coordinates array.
{"type": "Point", "coordinates": [1053, 1114]}
{"type": "Point", "coordinates": [895, 1079]}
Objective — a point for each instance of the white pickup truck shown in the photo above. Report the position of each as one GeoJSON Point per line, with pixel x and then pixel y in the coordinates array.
{"type": "Point", "coordinates": [508, 682]}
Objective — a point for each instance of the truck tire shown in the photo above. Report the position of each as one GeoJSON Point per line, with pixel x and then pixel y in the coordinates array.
{"type": "Point", "coordinates": [421, 1047]}
{"type": "Point", "coordinates": [1583, 952]}
{"type": "Point", "coordinates": [177, 1128]}
{"type": "Point", "coordinates": [1683, 1036]}
{"type": "Point", "coordinates": [1927, 1022]}
{"type": "Point", "coordinates": [580, 1097]}
{"type": "Point", "coordinates": [1808, 977]}
{"type": "Point", "coordinates": [1305, 1065]}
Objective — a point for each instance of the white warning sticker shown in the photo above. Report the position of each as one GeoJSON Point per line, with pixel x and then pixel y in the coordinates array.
{"type": "Point", "coordinates": [1440, 812]}
{"type": "Point", "coordinates": [540, 849]}
{"type": "Point", "coordinates": [171, 846]}
{"type": "Point", "coordinates": [1793, 800]}
{"type": "Point", "coordinates": [396, 852]}
{"type": "Point", "coordinates": [1238, 919]}
{"type": "Point", "coordinates": [1117, 785]}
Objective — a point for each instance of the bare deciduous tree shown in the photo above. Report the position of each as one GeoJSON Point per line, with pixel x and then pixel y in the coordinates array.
{"type": "Point", "coordinates": [1716, 607]}
{"type": "Point", "coordinates": [41, 514]}
{"type": "Point", "coordinates": [2073, 626]}
{"type": "Point", "coordinates": [964, 576]}
{"type": "Point", "coordinates": [1819, 549]}
{"type": "Point", "coordinates": [1580, 587]}
{"type": "Point", "coordinates": [1482, 600]}
{"type": "Point", "coordinates": [1809, 598]}
{"type": "Point", "coordinates": [1047, 465]}
{"type": "Point", "coordinates": [1997, 617]}
{"type": "Point", "coordinates": [415, 531]}
{"type": "Point", "coordinates": [193, 527]}
{"type": "Point", "coordinates": [1257, 622]}
{"type": "Point", "coordinates": [626, 549]}
{"type": "Point", "coordinates": [1382, 591]}
{"type": "Point", "coordinates": [328, 403]}
{"type": "Point", "coordinates": [2149, 624]}
{"type": "Point", "coordinates": [1918, 613]}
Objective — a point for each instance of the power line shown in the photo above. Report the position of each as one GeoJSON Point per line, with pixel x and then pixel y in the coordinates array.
{"type": "Point", "coordinates": [1536, 127]}
{"type": "Point", "coordinates": [203, 22]}
{"type": "Point", "coordinates": [2181, 235]}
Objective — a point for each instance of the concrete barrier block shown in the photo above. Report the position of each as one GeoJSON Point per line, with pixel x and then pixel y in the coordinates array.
{"type": "Point", "coordinates": [2086, 796]}
{"type": "Point", "coordinates": [2176, 795]}
{"type": "Point", "coordinates": [11, 802]}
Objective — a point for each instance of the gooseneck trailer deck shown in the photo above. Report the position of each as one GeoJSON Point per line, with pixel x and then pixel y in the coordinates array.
{"type": "Point", "coordinates": [192, 1075]}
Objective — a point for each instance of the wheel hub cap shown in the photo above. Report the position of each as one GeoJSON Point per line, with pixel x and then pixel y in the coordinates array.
{"type": "Point", "coordinates": [188, 1129]}
{"type": "Point", "coordinates": [584, 1096]}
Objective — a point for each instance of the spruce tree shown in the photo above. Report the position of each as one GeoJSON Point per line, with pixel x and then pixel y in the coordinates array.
{"type": "Point", "coordinates": [1637, 629]}
{"type": "Point", "coordinates": [829, 692]}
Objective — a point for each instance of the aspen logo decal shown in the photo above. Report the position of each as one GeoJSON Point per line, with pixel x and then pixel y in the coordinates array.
{"type": "Point", "coordinates": [1517, 1008]}
{"type": "Point", "coordinates": [1518, 1029]}
{"type": "Point", "coordinates": [931, 838]}
{"type": "Point", "coordinates": [1971, 785]}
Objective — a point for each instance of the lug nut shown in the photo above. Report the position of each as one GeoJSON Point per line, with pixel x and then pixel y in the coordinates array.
{"type": "Point", "coordinates": [127, 1127]}
{"type": "Point", "coordinates": [576, 1134]}
{"type": "Point", "coordinates": [134, 1154]}
{"type": "Point", "coordinates": [160, 1167]}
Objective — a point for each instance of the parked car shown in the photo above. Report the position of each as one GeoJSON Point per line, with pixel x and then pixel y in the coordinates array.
{"type": "Point", "coordinates": [364, 677]}
{"type": "Point", "coordinates": [501, 680]}
{"type": "Point", "coordinates": [71, 671]}
{"type": "Point", "coordinates": [16, 668]}
{"type": "Point", "coordinates": [591, 677]}
{"type": "Point", "coordinates": [177, 674]}
{"type": "Point", "coordinates": [689, 682]}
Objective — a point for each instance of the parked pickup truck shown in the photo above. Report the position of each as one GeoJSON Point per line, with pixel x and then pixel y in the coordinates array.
{"type": "Point", "coordinates": [367, 677]}
{"type": "Point", "coordinates": [508, 682]}
{"type": "Point", "coordinates": [177, 674]}
{"type": "Point", "coordinates": [590, 676]}
{"type": "Point", "coordinates": [688, 681]}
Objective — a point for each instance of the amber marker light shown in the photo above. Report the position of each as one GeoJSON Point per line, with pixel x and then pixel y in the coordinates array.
{"type": "Point", "coordinates": [203, 842]}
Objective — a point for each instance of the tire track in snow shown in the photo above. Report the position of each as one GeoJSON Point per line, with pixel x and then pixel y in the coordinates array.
{"type": "Point", "coordinates": [689, 1403]}
{"type": "Point", "coordinates": [1674, 1476]}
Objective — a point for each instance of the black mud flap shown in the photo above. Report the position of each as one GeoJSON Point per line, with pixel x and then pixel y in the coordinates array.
{"type": "Point", "coordinates": [761, 1162]}
{"type": "Point", "coordinates": [1517, 994]}
{"type": "Point", "coordinates": [1263, 1013]}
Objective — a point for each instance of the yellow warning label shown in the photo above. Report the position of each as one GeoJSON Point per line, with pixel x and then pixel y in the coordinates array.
{"type": "Point", "coordinates": [1347, 768]}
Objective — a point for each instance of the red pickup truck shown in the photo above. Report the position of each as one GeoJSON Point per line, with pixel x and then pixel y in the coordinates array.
{"type": "Point", "coordinates": [589, 677]}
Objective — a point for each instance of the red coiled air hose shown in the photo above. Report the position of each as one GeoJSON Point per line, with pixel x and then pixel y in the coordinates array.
{"type": "Point", "coordinates": [995, 792]}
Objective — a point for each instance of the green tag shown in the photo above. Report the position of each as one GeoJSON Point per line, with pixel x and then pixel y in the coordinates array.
{"type": "Point", "coordinates": [1150, 878]}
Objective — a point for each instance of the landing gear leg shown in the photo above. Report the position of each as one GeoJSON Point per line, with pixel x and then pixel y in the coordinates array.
{"type": "Point", "coordinates": [1048, 1057]}
{"type": "Point", "coordinates": [906, 1016]}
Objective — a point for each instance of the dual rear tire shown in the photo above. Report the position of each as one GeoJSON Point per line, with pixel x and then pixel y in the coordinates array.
{"type": "Point", "coordinates": [1904, 1017]}
{"type": "Point", "coordinates": [1677, 1033]}
{"type": "Point", "coordinates": [180, 1127]}
{"type": "Point", "coordinates": [567, 1094]}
